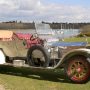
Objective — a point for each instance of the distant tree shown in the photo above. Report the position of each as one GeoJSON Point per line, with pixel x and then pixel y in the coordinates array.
{"type": "Point", "coordinates": [43, 22]}
{"type": "Point", "coordinates": [86, 30]}
{"type": "Point", "coordinates": [20, 22]}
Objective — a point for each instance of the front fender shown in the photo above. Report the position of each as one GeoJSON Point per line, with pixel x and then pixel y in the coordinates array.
{"type": "Point", "coordinates": [83, 51]}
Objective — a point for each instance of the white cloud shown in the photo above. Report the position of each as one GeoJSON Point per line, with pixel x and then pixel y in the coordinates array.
{"type": "Point", "coordinates": [38, 11]}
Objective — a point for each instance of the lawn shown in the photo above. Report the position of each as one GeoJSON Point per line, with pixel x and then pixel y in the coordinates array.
{"type": "Point", "coordinates": [26, 79]}
{"type": "Point", "coordinates": [77, 39]}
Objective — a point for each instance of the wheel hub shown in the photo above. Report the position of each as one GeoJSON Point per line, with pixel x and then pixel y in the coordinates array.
{"type": "Point", "coordinates": [79, 69]}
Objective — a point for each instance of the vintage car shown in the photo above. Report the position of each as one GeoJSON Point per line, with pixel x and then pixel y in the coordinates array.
{"type": "Point", "coordinates": [75, 62]}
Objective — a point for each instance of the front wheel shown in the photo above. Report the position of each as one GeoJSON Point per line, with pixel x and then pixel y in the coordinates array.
{"type": "Point", "coordinates": [78, 69]}
{"type": "Point", "coordinates": [38, 56]}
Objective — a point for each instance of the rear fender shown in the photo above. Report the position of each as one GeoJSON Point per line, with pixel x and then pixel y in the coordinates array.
{"type": "Point", "coordinates": [2, 51]}
{"type": "Point", "coordinates": [8, 52]}
{"type": "Point", "coordinates": [84, 52]}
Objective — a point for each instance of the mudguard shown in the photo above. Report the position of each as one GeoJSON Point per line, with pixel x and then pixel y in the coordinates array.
{"type": "Point", "coordinates": [83, 51]}
{"type": "Point", "coordinates": [9, 52]}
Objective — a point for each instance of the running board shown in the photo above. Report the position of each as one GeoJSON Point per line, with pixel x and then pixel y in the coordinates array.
{"type": "Point", "coordinates": [27, 66]}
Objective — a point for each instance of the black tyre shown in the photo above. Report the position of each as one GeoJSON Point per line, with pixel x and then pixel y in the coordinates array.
{"type": "Point", "coordinates": [78, 69]}
{"type": "Point", "coordinates": [38, 56]}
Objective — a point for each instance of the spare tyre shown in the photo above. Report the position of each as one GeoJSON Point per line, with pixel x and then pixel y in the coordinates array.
{"type": "Point", "coordinates": [38, 56]}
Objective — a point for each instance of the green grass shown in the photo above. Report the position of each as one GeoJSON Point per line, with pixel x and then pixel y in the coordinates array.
{"type": "Point", "coordinates": [77, 39]}
{"type": "Point", "coordinates": [27, 79]}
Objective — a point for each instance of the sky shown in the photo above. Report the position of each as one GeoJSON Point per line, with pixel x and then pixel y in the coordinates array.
{"type": "Point", "coordinates": [45, 10]}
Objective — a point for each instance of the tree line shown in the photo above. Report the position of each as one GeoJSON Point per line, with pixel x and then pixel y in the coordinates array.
{"type": "Point", "coordinates": [31, 25]}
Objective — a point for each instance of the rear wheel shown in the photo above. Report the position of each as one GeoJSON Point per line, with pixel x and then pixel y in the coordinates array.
{"type": "Point", "coordinates": [2, 57]}
{"type": "Point", "coordinates": [78, 69]}
{"type": "Point", "coordinates": [38, 56]}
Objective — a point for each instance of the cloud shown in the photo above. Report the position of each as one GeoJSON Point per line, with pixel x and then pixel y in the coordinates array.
{"type": "Point", "coordinates": [36, 10]}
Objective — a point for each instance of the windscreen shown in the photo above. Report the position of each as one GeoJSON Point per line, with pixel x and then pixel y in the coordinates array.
{"type": "Point", "coordinates": [43, 29]}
